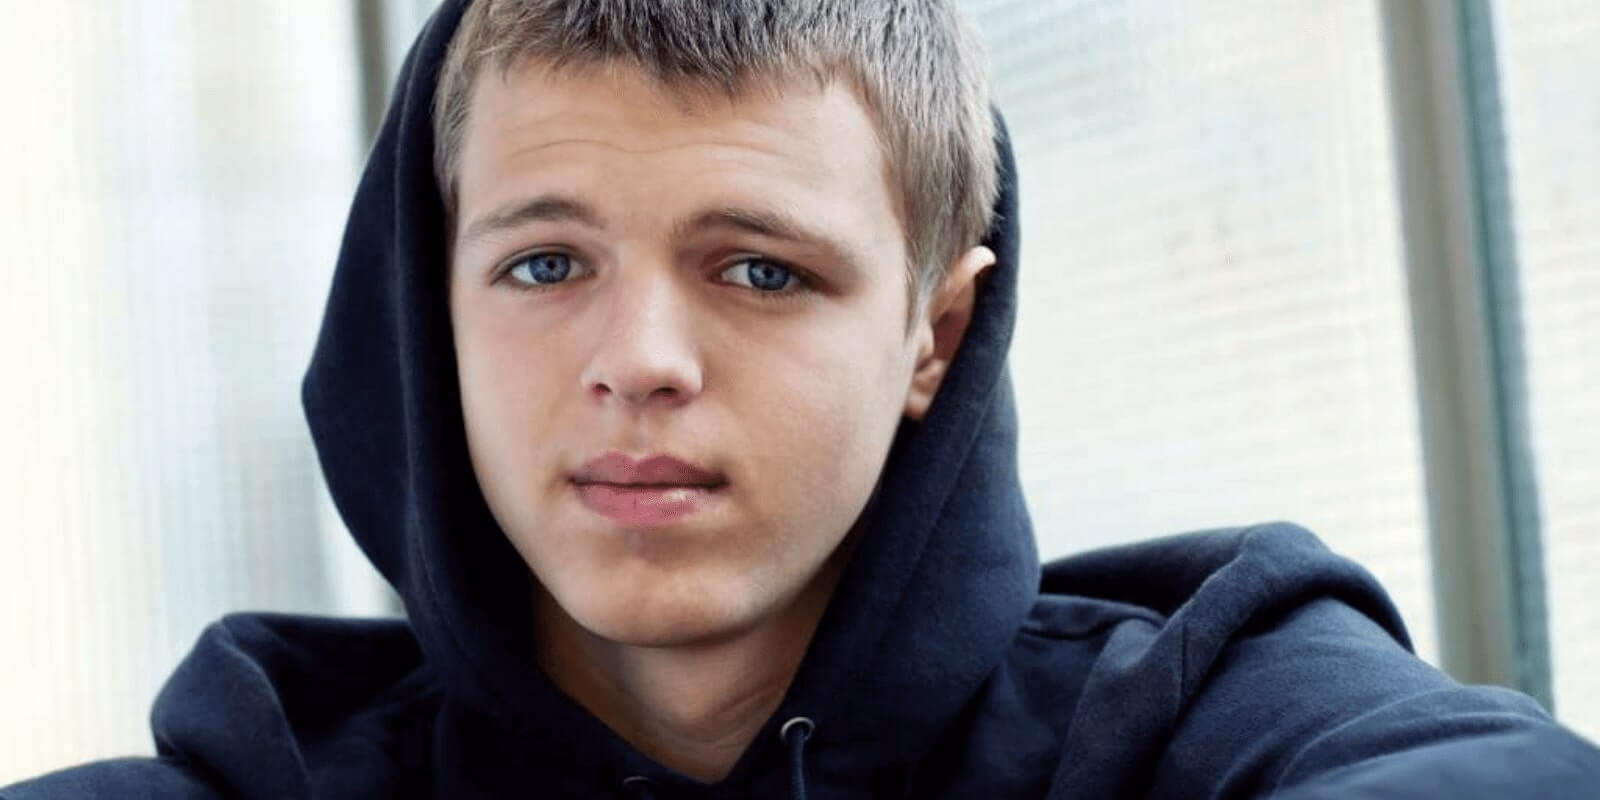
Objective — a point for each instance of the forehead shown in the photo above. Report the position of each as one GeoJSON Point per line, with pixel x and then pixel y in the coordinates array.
{"type": "Point", "coordinates": [630, 146]}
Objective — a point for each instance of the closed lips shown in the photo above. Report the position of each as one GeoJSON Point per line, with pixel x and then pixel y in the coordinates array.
{"type": "Point", "coordinates": [660, 471]}
{"type": "Point", "coordinates": [646, 492]}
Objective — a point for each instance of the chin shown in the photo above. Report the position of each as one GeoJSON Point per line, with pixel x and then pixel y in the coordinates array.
{"type": "Point", "coordinates": [667, 627]}
{"type": "Point", "coordinates": [666, 612]}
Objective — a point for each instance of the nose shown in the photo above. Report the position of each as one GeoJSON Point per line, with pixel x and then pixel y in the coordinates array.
{"type": "Point", "coordinates": [645, 355]}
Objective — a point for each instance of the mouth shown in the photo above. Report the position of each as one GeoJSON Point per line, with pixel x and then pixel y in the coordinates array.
{"type": "Point", "coordinates": [645, 492]}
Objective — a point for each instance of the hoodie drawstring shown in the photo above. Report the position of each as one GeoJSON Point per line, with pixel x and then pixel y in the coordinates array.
{"type": "Point", "coordinates": [794, 733]}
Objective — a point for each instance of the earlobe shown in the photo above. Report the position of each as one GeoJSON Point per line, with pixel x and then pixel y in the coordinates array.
{"type": "Point", "coordinates": [941, 331]}
{"type": "Point", "coordinates": [924, 385]}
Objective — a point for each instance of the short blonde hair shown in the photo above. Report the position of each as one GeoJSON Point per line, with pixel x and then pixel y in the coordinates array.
{"type": "Point", "coordinates": [917, 65]}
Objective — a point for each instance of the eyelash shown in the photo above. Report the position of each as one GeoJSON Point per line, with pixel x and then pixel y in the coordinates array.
{"type": "Point", "coordinates": [804, 282]}
{"type": "Point", "coordinates": [503, 272]}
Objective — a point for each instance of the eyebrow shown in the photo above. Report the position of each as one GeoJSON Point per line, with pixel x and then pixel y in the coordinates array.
{"type": "Point", "coordinates": [767, 223]}
{"type": "Point", "coordinates": [542, 208]}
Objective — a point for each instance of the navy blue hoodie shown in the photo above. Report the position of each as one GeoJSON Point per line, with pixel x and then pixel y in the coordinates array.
{"type": "Point", "coordinates": [1232, 663]}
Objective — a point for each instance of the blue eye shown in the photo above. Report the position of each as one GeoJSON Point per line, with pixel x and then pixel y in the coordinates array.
{"type": "Point", "coordinates": [762, 275]}
{"type": "Point", "coordinates": [543, 269]}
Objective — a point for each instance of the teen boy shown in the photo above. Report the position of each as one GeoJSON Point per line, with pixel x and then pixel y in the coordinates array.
{"type": "Point", "coordinates": [663, 374]}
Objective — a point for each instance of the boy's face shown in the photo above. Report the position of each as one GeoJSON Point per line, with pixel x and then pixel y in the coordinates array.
{"type": "Point", "coordinates": [719, 282]}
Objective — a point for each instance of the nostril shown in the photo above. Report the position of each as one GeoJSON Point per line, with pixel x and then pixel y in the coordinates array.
{"type": "Point", "coordinates": [648, 376]}
{"type": "Point", "coordinates": [638, 396]}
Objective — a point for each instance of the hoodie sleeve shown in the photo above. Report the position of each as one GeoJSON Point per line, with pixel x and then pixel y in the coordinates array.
{"type": "Point", "coordinates": [1294, 693]}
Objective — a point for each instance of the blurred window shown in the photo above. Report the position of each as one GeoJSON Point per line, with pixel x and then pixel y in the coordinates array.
{"type": "Point", "coordinates": [1214, 325]}
{"type": "Point", "coordinates": [175, 180]}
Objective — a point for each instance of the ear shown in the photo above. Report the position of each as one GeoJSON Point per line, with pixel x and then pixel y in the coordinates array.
{"type": "Point", "coordinates": [940, 330]}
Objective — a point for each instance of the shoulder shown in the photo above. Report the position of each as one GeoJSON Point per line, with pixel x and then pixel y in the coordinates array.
{"type": "Point", "coordinates": [1256, 569]}
{"type": "Point", "coordinates": [1233, 662]}
{"type": "Point", "coordinates": [1171, 606]}
{"type": "Point", "coordinates": [296, 706]}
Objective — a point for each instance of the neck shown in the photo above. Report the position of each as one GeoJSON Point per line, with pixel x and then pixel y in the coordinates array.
{"type": "Point", "coordinates": [694, 707]}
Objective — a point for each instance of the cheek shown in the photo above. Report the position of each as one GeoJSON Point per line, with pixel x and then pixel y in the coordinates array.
{"type": "Point", "coordinates": [507, 380]}
{"type": "Point", "coordinates": [825, 423]}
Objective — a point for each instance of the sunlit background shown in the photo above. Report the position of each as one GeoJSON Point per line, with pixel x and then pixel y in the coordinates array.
{"type": "Point", "coordinates": [1228, 314]}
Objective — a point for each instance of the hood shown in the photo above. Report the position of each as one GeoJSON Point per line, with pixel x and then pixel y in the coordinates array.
{"type": "Point", "coordinates": [939, 584]}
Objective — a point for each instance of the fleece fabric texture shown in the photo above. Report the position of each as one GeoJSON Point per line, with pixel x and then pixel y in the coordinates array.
{"type": "Point", "coordinates": [1223, 664]}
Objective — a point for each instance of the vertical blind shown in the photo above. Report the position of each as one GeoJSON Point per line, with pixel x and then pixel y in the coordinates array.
{"type": "Point", "coordinates": [175, 180]}
{"type": "Point", "coordinates": [1548, 55]}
